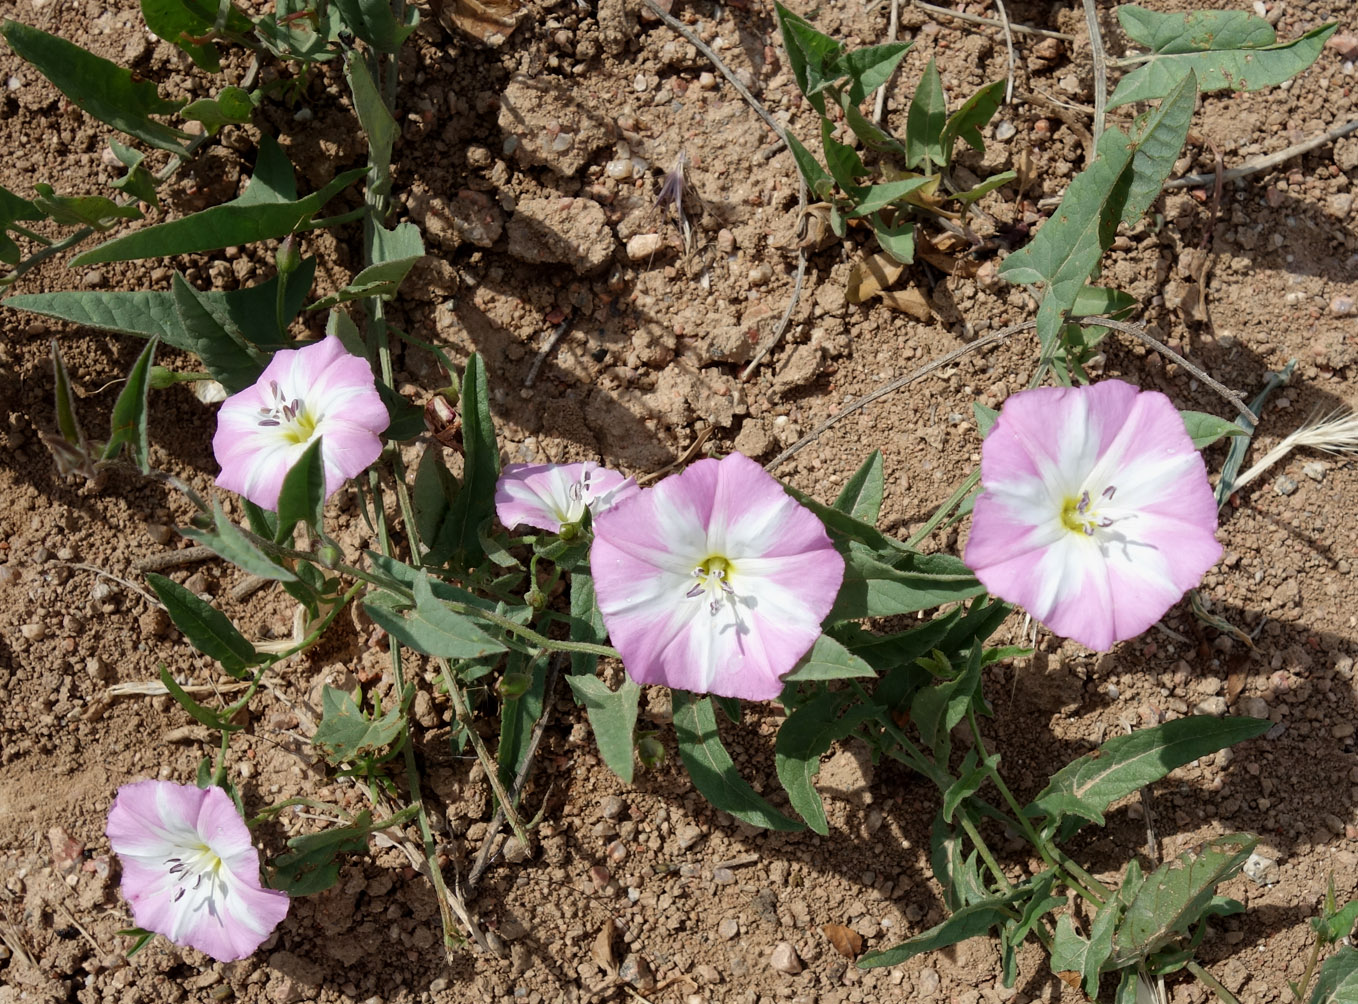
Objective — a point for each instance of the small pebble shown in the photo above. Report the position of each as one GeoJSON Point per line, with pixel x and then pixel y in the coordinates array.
{"type": "Point", "coordinates": [1005, 130]}
{"type": "Point", "coordinates": [33, 632]}
{"type": "Point", "coordinates": [1261, 870]}
{"type": "Point", "coordinates": [706, 81]}
{"type": "Point", "coordinates": [723, 876]}
{"type": "Point", "coordinates": [1341, 306]}
{"type": "Point", "coordinates": [928, 982]}
{"type": "Point", "coordinates": [642, 246]}
{"type": "Point", "coordinates": [1214, 706]}
{"type": "Point", "coordinates": [515, 852]}
{"type": "Point", "coordinates": [784, 959]}
{"type": "Point", "coordinates": [637, 971]}
{"type": "Point", "coordinates": [728, 929]}
{"type": "Point", "coordinates": [1285, 485]}
{"type": "Point", "coordinates": [1342, 731]}
{"type": "Point", "coordinates": [1315, 470]}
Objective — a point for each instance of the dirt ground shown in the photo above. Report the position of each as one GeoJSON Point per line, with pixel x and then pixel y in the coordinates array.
{"type": "Point", "coordinates": [532, 169]}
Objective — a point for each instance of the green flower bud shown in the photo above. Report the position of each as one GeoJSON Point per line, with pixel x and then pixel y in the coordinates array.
{"type": "Point", "coordinates": [651, 751]}
{"type": "Point", "coordinates": [513, 685]}
{"type": "Point", "coordinates": [329, 555]}
{"type": "Point", "coordinates": [288, 259]}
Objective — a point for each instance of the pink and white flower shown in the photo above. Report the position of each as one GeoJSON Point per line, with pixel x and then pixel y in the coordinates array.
{"type": "Point", "coordinates": [1096, 514]}
{"type": "Point", "coordinates": [319, 391]}
{"type": "Point", "coordinates": [550, 496]}
{"type": "Point", "coordinates": [190, 871]}
{"type": "Point", "coordinates": [714, 581]}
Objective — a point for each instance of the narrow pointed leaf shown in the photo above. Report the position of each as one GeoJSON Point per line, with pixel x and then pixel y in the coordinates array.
{"type": "Point", "coordinates": [475, 502]}
{"type": "Point", "coordinates": [861, 496]}
{"type": "Point", "coordinates": [207, 628]}
{"type": "Point", "coordinates": [713, 772]}
{"type": "Point", "coordinates": [105, 90]}
{"type": "Point", "coordinates": [1086, 787]}
{"type": "Point", "coordinates": [612, 716]}
{"type": "Point", "coordinates": [817, 178]}
{"type": "Point", "coordinates": [1337, 982]}
{"type": "Point", "coordinates": [968, 922]}
{"type": "Point", "coordinates": [870, 68]}
{"type": "Point", "coordinates": [95, 211]}
{"type": "Point", "coordinates": [1205, 429]}
{"type": "Point", "coordinates": [967, 122]}
{"type": "Point", "coordinates": [926, 120]}
{"type": "Point", "coordinates": [219, 226]}
{"type": "Point", "coordinates": [302, 496]}
{"type": "Point", "coordinates": [227, 540]}
{"type": "Point", "coordinates": [433, 628]}
{"type": "Point", "coordinates": [128, 425]}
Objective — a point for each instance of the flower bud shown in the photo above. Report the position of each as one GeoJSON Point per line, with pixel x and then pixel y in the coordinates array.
{"type": "Point", "coordinates": [287, 258]}
{"type": "Point", "coordinates": [329, 555]}
{"type": "Point", "coordinates": [651, 751]}
{"type": "Point", "coordinates": [162, 378]}
{"type": "Point", "coordinates": [442, 419]}
{"type": "Point", "coordinates": [513, 685]}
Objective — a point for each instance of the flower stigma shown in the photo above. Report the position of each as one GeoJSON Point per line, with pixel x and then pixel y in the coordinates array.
{"type": "Point", "coordinates": [1081, 515]}
{"type": "Point", "coordinates": [713, 575]}
{"type": "Point", "coordinates": [199, 862]}
{"type": "Point", "coordinates": [291, 418]}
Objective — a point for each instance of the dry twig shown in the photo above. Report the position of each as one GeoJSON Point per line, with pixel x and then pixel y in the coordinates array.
{"type": "Point", "coordinates": [1264, 163]}
{"type": "Point", "coordinates": [1022, 29]}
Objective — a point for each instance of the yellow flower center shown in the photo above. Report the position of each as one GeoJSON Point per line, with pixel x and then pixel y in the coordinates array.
{"type": "Point", "coordinates": [1081, 515]}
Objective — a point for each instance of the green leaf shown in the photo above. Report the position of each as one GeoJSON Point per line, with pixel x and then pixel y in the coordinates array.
{"type": "Point", "coordinates": [310, 866]}
{"type": "Point", "coordinates": [867, 131]}
{"type": "Point", "coordinates": [986, 187]}
{"type": "Point", "coordinates": [861, 496]}
{"type": "Point", "coordinates": [804, 738]}
{"type": "Point", "coordinates": [376, 280]}
{"type": "Point", "coordinates": [380, 128]}
{"type": "Point", "coordinates": [105, 90]}
{"type": "Point", "coordinates": [1120, 185]}
{"type": "Point", "coordinates": [874, 197]}
{"type": "Point", "coordinates": [196, 711]}
{"type": "Point", "coordinates": [373, 21]}
{"type": "Point", "coordinates": [231, 106]}
{"type": "Point", "coordinates": [926, 120]}
{"type": "Point", "coordinates": [346, 733]}
{"type": "Point", "coordinates": [94, 211]}
{"type": "Point", "coordinates": [298, 31]}
{"type": "Point", "coordinates": [274, 181]}
{"type": "Point", "coordinates": [1086, 787]}
{"type": "Point", "coordinates": [1337, 924]}
{"type": "Point", "coordinates": [1223, 49]}
{"type": "Point", "coordinates": [67, 422]}
{"type": "Point", "coordinates": [967, 122]}
{"type": "Point", "coordinates": [969, 781]}
{"type": "Point", "coordinates": [985, 418]}
{"type": "Point", "coordinates": [587, 623]}
{"type": "Point", "coordinates": [897, 239]}
{"type": "Point", "coordinates": [937, 710]}
{"type": "Point", "coordinates": [612, 716]}
{"type": "Point", "coordinates": [434, 488]}
{"type": "Point", "coordinates": [302, 497]}
{"type": "Point", "coordinates": [870, 68]}
{"type": "Point", "coordinates": [828, 660]}
{"type": "Point", "coordinates": [1103, 301]}
{"type": "Point", "coordinates": [148, 313]}
{"type": "Point", "coordinates": [174, 22]}
{"type": "Point", "coordinates": [475, 503]}
{"type": "Point", "coordinates": [817, 179]}
{"type": "Point", "coordinates": [128, 425]}
{"type": "Point", "coordinates": [1337, 981]}
{"type": "Point", "coordinates": [433, 628]}
{"type": "Point", "coordinates": [13, 209]}
{"type": "Point", "coordinates": [712, 770]}
{"type": "Point", "coordinates": [1173, 897]}
{"type": "Point", "coordinates": [226, 539]}
{"type": "Point", "coordinates": [968, 922]}
{"type": "Point", "coordinates": [138, 182]}
{"type": "Point", "coordinates": [810, 53]}
{"type": "Point", "coordinates": [207, 628]}
{"type": "Point", "coordinates": [235, 222]}
{"type": "Point", "coordinates": [846, 167]}
{"type": "Point", "coordinates": [873, 588]}
{"type": "Point", "coordinates": [957, 872]}
{"type": "Point", "coordinates": [518, 716]}
{"type": "Point", "coordinates": [202, 328]}
{"type": "Point", "coordinates": [1205, 429]}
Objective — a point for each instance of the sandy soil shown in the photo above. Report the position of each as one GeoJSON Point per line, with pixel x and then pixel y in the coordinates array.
{"type": "Point", "coordinates": [528, 232]}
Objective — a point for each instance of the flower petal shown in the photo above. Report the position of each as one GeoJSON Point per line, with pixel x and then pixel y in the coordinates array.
{"type": "Point", "coordinates": [735, 635]}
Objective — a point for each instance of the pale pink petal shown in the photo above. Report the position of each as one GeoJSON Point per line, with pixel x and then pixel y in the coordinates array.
{"type": "Point", "coordinates": [1149, 533]}
{"type": "Point", "coordinates": [190, 871]}
{"type": "Point", "coordinates": [674, 622]}
{"type": "Point", "coordinates": [318, 391]}
{"type": "Point", "coordinates": [549, 496]}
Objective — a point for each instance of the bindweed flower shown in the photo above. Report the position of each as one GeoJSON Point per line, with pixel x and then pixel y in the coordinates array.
{"type": "Point", "coordinates": [551, 496]}
{"type": "Point", "coordinates": [190, 871]}
{"type": "Point", "coordinates": [715, 580]}
{"type": "Point", "coordinates": [1095, 515]}
{"type": "Point", "coordinates": [316, 392]}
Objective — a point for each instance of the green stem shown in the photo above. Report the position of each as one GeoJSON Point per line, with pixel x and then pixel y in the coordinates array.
{"type": "Point", "coordinates": [947, 507]}
{"type": "Point", "coordinates": [1075, 876]}
{"type": "Point", "coordinates": [312, 803]}
{"type": "Point", "coordinates": [1305, 984]}
{"type": "Point", "coordinates": [1213, 984]}
{"type": "Point", "coordinates": [219, 771]}
{"type": "Point", "coordinates": [983, 849]}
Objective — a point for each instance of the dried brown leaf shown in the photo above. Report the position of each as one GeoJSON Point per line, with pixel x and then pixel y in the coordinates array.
{"type": "Point", "coordinates": [869, 277]}
{"type": "Point", "coordinates": [847, 941]}
{"type": "Point", "coordinates": [602, 949]}
{"type": "Point", "coordinates": [908, 301]}
{"type": "Point", "coordinates": [488, 21]}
